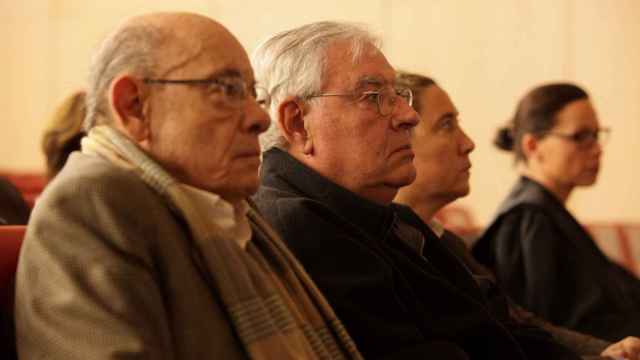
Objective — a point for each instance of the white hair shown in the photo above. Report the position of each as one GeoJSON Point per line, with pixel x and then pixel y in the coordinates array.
{"type": "Point", "coordinates": [292, 63]}
{"type": "Point", "coordinates": [128, 49]}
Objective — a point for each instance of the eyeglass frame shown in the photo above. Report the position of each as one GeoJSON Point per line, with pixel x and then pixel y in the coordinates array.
{"type": "Point", "coordinates": [248, 91]}
{"type": "Point", "coordinates": [592, 137]}
{"type": "Point", "coordinates": [360, 96]}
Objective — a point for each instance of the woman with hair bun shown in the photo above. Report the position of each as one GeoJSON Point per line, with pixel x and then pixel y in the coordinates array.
{"type": "Point", "coordinates": [541, 255]}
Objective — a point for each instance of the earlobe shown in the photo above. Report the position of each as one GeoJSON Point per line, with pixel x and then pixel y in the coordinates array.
{"type": "Point", "coordinates": [127, 104]}
{"type": "Point", "coordinates": [293, 126]}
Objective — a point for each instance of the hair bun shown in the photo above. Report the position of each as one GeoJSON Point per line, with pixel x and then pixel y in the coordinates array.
{"type": "Point", "coordinates": [504, 139]}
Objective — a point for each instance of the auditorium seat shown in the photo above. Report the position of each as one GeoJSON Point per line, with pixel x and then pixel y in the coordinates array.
{"type": "Point", "coordinates": [620, 241]}
{"type": "Point", "coordinates": [10, 241]}
{"type": "Point", "coordinates": [29, 184]}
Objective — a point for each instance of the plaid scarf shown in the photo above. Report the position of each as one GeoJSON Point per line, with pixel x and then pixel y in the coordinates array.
{"type": "Point", "coordinates": [275, 308]}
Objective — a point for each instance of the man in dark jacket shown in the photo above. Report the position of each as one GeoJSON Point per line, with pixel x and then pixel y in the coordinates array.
{"type": "Point", "coordinates": [334, 160]}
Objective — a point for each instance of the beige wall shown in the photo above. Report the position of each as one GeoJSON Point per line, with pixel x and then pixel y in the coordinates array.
{"type": "Point", "coordinates": [485, 53]}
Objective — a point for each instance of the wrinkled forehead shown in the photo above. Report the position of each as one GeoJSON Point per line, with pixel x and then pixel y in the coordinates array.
{"type": "Point", "coordinates": [201, 52]}
{"type": "Point", "coordinates": [343, 70]}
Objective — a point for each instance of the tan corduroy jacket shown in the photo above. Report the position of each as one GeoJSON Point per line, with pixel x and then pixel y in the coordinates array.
{"type": "Point", "coordinates": [113, 276]}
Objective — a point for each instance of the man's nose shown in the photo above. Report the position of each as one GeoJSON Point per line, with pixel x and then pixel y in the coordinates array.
{"type": "Point", "coordinates": [405, 117]}
{"type": "Point", "coordinates": [257, 118]}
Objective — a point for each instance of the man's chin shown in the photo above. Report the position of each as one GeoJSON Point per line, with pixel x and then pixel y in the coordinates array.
{"type": "Point", "coordinates": [588, 181]}
{"type": "Point", "coordinates": [401, 172]}
{"type": "Point", "coordinates": [250, 189]}
{"type": "Point", "coordinates": [240, 190]}
{"type": "Point", "coordinates": [399, 182]}
{"type": "Point", "coordinates": [403, 178]}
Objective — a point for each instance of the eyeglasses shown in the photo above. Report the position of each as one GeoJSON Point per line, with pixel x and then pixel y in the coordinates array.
{"type": "Point", "coordinates": [586, 138]}
{"type": "Point", "coordinates": [234, 89]}
{"type": "Point", "coordinates": [385, 98]}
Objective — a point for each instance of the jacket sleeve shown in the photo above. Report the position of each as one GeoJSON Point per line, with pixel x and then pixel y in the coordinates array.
{"type": "Point", "coordinates": [358, 284]}
{"type": "Point", "coordinates": [529, 255]}
{"type": "Point", "coordinates": [86, 287]}
{"type": "Point", "coordinates": [580, 343]}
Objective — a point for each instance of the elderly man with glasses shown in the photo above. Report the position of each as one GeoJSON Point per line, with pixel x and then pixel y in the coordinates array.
{"type": "Point", "coordinates": [144, 245]}
{"type": "Point", "coordinates": [336, 154]}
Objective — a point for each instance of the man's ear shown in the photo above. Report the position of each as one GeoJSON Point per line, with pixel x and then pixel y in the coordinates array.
{"type": "Point", "coordinates": [126, 96]}
{"type": "Point", "coordinates": [292, 124]}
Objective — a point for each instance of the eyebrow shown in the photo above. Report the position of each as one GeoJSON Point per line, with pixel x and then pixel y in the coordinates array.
{"type": "Point", "coordinates": [230, 73]}
{"type": "Point", "coordinates": [370, 80]}
{"type": "Point", "coordinates": [448, 115]}
{"type": "Point", "coordinates": [227, 72]}
{"type": "Point", "coordinates": [451, 114]}
{"type": "Point", "coordinates": [587, 128]}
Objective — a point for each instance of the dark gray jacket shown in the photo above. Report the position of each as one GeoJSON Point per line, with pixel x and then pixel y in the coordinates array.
{"type": "Point", "coordinates": [550, 265]}
{"type": "Point", "coordinates": [395, 301]}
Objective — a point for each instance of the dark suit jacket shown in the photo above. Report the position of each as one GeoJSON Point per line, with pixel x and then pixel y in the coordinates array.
{"type": "Point", "coordinates": [396, 302]}
{"type": "Point", "coordinates": [550, 265]}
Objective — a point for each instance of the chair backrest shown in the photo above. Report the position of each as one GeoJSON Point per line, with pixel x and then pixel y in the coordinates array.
{"type": "Point", "coordinates": [30, 185]}
{"type": "Point", "coordinates": [10, 242]}
{"type": "Point", "coordinates": [620, 242]}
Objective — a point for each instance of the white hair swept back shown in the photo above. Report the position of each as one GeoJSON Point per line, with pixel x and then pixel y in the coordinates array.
{"type": "Point", "coordinates": [128, 49]}
{"type": "Point", "coordinates": [292, 63]}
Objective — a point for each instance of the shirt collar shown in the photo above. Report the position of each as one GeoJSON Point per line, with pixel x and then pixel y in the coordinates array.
{"type": "Point", "coordinates": [436, 227]}
{"type": "Point", "coordinates": [232, 220]}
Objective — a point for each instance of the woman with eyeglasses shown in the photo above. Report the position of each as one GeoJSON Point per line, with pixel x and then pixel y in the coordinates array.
{"type": "Point", "coordinates": [540, 253]}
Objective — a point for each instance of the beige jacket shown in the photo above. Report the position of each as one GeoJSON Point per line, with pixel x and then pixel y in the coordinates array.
{"type": "Point", "coordinates": [107, 272]}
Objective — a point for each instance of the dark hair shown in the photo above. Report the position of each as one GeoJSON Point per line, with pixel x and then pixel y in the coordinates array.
{"type": "Point", "coordinates": [417, 83]}
{"type": "Point", "coordinates": [536, 114]}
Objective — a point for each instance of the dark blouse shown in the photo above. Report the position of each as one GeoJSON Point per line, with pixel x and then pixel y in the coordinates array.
{"type": "Point", "coordinates": [550, 265]}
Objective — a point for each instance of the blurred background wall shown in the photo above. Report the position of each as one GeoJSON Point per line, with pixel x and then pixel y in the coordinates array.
{"type": "Point", "coordinates": [485, 53]}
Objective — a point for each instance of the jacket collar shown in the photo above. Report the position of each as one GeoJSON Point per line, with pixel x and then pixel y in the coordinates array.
{"type": "Point", "coordinates": [531, 192]}
{"type": "Point", "coordinates": [528, 192]}
{"type": "Point", "coordinates": [279, 167]}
